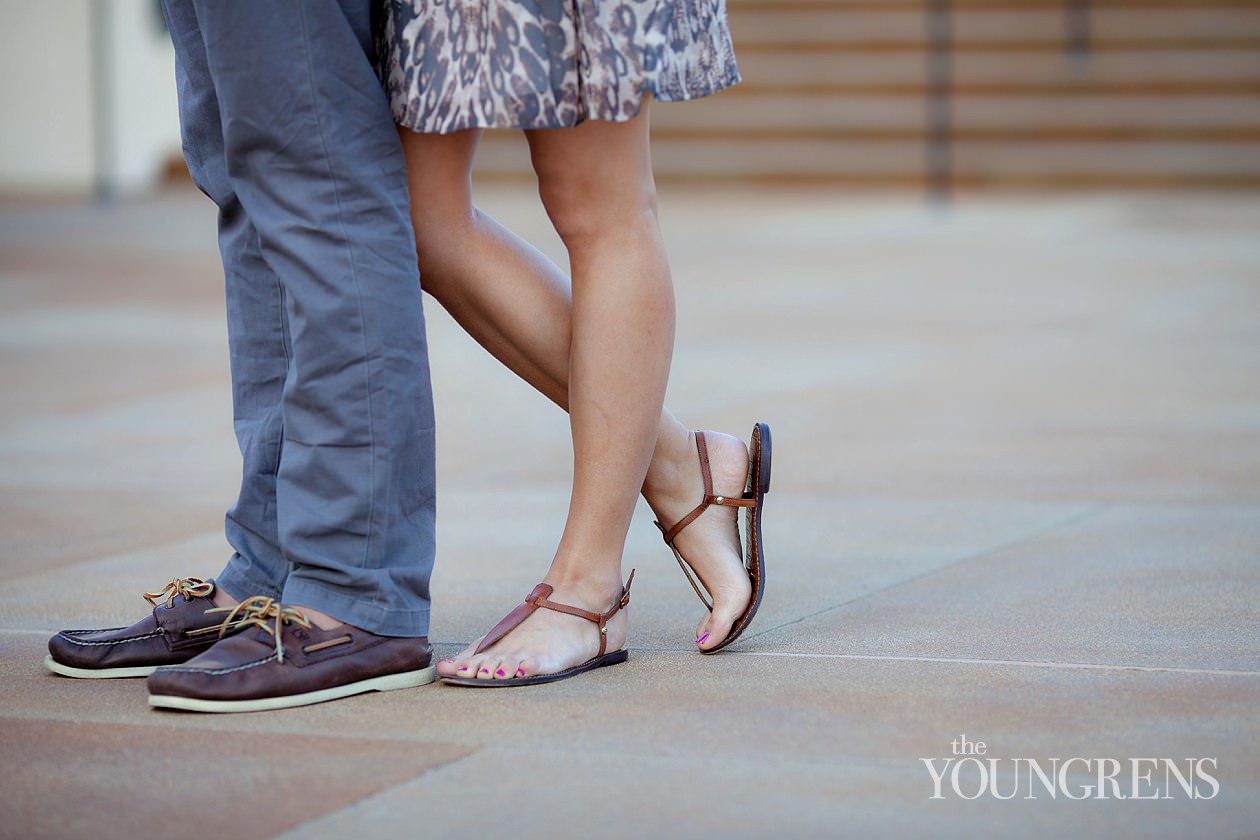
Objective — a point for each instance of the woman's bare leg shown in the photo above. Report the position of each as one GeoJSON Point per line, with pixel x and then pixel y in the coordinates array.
{"type": "Point", "coordinates": [516, 303]}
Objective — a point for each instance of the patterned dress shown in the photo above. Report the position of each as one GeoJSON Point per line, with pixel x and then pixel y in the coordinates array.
{"type": "Point", "coordinates": [449, 65]}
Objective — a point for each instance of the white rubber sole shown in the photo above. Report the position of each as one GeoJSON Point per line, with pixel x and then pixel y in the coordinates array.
{"type": "Point", "coordinates": [97, 673]}
{"type": "Point", "coordinates": [390, 682]}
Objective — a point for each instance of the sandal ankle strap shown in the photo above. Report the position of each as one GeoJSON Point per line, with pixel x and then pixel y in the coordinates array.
{"type": "Point", "coordinates": [706, 475]}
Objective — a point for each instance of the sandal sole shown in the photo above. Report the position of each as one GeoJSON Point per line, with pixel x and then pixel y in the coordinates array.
{"type": "Point", "coordinates": [590, 665]}
{"type": "Point", "coordinates": [758, 479]}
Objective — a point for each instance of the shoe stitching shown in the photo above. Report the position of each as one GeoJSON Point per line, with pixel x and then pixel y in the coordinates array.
{"type": "Point", "coordinates": [90, 632]}
{"type": "Point", "coordinates": [112, 642]}
{"type": "Point", "coordinates": [220, 671]}
{"type": "Point", "coordinates": [223, 671]}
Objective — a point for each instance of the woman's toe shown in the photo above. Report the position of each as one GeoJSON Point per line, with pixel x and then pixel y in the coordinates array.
{"type": "Point", "coordinates": [459, 666]}
{"type": "Point", "coordinates": [505, 669]}
{"type": "Point", "coordinates": [467, 667]}
{"type": "Point", "coordinates": [527, 667]}
{"type": "Point", "coordinates": [713, 637]}
{"type": "Point", "coordinates": [714, 629]}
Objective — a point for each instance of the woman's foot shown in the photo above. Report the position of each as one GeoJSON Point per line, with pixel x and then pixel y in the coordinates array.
{"type": "Point", "coordinates": [711, 542]}
{"type": "Point", "coordinates": [546, 642]}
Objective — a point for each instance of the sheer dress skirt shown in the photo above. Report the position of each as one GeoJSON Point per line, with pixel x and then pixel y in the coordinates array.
{"type": "Point", "coordinates": [449, 65]}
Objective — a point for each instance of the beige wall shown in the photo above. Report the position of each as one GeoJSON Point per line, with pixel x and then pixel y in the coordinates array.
{"type": "Point", "coordinates": [58, 63]}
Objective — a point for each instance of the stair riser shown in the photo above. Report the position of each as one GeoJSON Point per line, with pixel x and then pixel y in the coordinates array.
{"type": "Point", "coordinates": [750, 28]}
{"type": "Point", "coordinates": [792, 69]}
{"type": "Point", "coordinates": [759, 112]}
{"type": "Point", "coordinates": [508, 156]}
{"type": "Point", "coordinates": [836, 92]}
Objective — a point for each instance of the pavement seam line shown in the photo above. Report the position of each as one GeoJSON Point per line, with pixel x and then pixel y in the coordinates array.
{"type": "Point", "coordinates": [1036, 533]}
{"type": "Point", "coordinates": [1028, 663]}
{"type": "Point", "coordinates": [892, 657]}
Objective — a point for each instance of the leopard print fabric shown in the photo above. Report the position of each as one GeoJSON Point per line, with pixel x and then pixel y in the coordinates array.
{"type": "Point", "coordinates": [449, 65]}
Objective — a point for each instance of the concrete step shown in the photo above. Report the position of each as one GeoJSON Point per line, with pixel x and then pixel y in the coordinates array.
{"type": "Point", "coordinates": [1168, 94]}
{"type": "Point", "coordinates": [907, 28]}
{"type": "Point", "coordinates": [1151, 112]}
{"type": "Point", "coordinates": [877, 6]}
{"type": "Point", "coordinates": [776, 113]}
{"type": "Point", "coordinates": [1221, 161]}
{"type": "Point", "coordinates": [504, 154]}
{"type": "Point", "coordinates": [1036, 70]}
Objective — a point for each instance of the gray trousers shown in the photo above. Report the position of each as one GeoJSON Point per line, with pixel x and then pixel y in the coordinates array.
{"type": "Point", "coordinates": [286, 128]}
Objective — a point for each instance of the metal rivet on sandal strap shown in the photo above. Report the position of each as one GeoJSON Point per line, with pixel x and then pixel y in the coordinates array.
{"type": "Point", "coordinates": [720, 500]}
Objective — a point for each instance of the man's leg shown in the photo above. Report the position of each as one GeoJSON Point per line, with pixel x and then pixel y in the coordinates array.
{"type": "Point", "coordinates": [313, 157]}
{"type": "Point", "coordinates": [257, 326]}
{"type": "Point", "coordinates": [314, 161]}
{"type": "Point", "coordinates": [178, 627]}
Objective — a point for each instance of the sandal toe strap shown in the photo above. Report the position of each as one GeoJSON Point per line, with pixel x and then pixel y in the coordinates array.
{"type": "Point", "coordinates": [513, 619]}
{"type": "Point", "coordinates": [538, 600]}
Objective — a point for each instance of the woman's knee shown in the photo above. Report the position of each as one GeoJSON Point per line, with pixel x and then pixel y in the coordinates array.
{"type": "Point", "coordinates": [586, 205]}
{"type": "Point", "coordinates": [595, 177]}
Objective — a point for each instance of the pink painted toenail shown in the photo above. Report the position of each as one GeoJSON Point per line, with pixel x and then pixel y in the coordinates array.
{"type": "Point", "coordinates": [463, 667]}
{"type": "Point", "coordinates": [500, 673]}
{"type": "Point", "coordinates": [484, 671]}
{"type": "Point", "coordinates": [700, 640]}
{"type": "Point", "coordinates": [520, 672]}
{"type": "Point", "coordinates": [446, 660]}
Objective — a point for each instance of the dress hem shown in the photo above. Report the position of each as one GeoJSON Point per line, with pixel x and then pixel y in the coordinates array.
{"type": "Point", "coordinates": [407, 121]}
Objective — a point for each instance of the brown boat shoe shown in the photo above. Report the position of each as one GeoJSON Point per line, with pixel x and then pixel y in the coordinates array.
{"type": "Point", "coordinates": [279, 659]}
{"type": "Point", "coordinates": [178, 628]}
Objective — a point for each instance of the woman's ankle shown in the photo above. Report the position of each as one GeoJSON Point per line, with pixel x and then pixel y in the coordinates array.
{"type": "Point", "coordinates": [595, 583]}
{"type": "Point", "coordinates": [670, 473]}
{"type": "Point", "coordinates": [677, 487]}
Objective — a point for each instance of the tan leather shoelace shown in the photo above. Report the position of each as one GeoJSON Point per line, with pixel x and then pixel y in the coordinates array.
{"type": "Point", "coordinates": [188, 587]}
{"type": "Point", "coordinates": [262, 612]}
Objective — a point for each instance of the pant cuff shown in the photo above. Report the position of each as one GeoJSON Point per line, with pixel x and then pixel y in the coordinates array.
{"type": "Point", "coordinates": [237, 581]}
{"type": "Point", "coordinates": [357, 611]}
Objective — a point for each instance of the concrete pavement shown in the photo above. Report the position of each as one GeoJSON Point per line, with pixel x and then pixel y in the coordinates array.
{"type": "Point", "coordinates": [1016, 496]}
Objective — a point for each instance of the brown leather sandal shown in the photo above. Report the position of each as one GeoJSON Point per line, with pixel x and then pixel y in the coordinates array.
{"type": "Point", "coordinates": [536, 599]}
{"type": "Point", "coordinates": [751, 501]}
